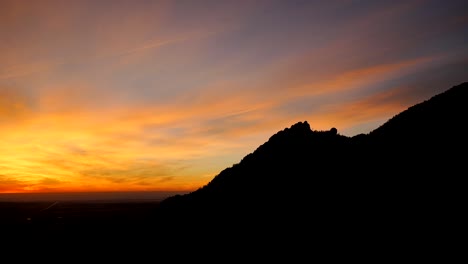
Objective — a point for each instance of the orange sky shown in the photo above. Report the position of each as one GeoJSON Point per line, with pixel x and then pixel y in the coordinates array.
{"type": "Point", "coordinates": [163, 95]}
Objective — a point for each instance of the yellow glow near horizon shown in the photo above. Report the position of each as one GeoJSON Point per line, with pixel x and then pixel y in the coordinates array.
{"type": "Point", "coordinates": [158, 96]}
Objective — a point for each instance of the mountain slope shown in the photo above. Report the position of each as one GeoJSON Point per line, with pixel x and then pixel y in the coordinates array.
{"type": "Point", "coordinates": [409, 168]}
{"type": "Point", "coordinates": [441, 115]}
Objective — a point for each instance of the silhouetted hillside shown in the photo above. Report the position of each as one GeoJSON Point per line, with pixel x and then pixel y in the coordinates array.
{"type": "Point", "coordinates": [443, 114]}
{"type": "Point", "coordinates": [272, 174]}
{"type": "Point", "coordinates": [403, 174]}
{"type": "Point", "coordinates": [300, 193]}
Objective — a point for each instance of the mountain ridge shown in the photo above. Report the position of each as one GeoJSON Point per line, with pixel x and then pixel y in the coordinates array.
{"type": "Point", "coordinates": [297, 166]}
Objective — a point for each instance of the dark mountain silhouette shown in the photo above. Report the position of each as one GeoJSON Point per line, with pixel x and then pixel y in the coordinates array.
{"type": "Point", "coordinates": [303, 194]}
{"type": "Point", "coordinates": [405, 175]}
{"type": "Point", "coordinates": [302, 191]}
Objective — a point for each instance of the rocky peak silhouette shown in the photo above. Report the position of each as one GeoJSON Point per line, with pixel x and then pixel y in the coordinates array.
{"type": "Point", "coordinates": [400, 174]}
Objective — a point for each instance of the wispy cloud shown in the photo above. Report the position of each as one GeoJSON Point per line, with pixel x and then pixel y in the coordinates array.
{"type": "Point", "coordinates": [16, 104]}
{"type": "Point", "coordinates": [154, 95]}
{"type": "Point", "coordinates": [157, 42]}
{"type": "Point", "coordinates": [22, 70]}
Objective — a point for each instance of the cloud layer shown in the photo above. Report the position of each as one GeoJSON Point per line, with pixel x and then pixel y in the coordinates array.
{"type": "Point", "coordinates": [163, 95]}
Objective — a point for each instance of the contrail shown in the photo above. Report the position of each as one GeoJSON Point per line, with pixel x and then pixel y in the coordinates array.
{"type": "Point", "coordinates": [48, 207]}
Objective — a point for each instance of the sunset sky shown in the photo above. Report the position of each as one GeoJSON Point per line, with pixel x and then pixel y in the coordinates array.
{"type": "Point", "coordinates": [162, 95]}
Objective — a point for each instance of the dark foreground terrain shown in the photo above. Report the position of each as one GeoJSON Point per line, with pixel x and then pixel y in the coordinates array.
{"type": "Point", "coordinates": [53, 217]}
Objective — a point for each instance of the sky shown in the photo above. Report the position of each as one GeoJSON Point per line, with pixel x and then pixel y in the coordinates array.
{"type": "Point", "coordinates": [163, 95]}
